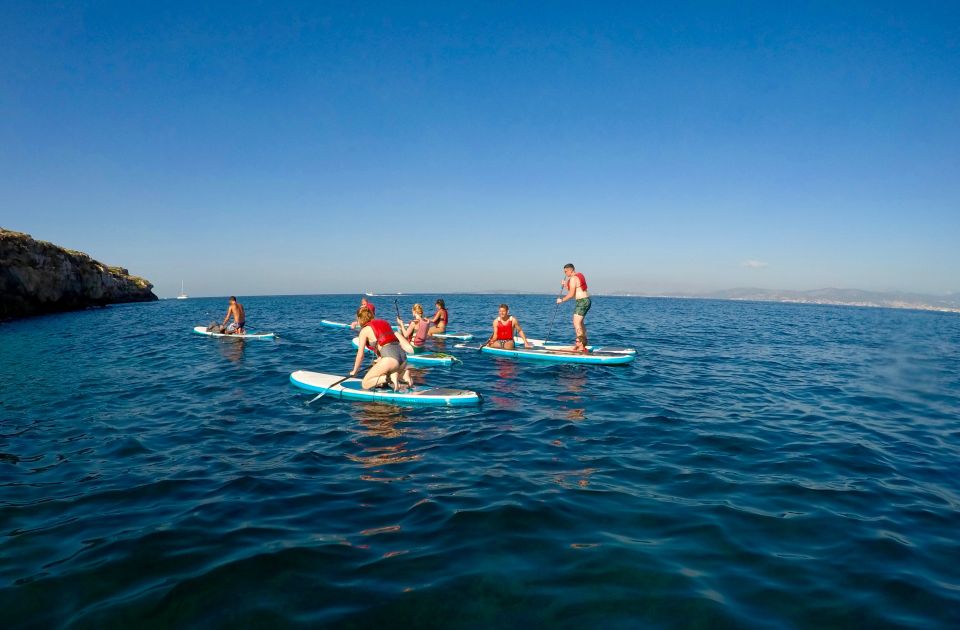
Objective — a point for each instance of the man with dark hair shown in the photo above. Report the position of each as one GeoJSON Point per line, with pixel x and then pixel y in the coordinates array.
{"type": "Point", "coordinates": [239, 318]}
{"type": "Point", "coordinates": [576, 286]}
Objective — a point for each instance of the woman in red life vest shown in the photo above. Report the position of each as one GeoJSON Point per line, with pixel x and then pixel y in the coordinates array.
{"type": "Point", "coordinates": [417, 331]}
{"type": "Point", "coordinates": [576, 287]}
{"type": "Point", "coordinates": [391, 352]}
{"type": "Point", "coordinates": [505, 326]}
{"type": "Point", "coordinates": [440, 318]}
{"type": "Point", "coordinates": [367, 305]}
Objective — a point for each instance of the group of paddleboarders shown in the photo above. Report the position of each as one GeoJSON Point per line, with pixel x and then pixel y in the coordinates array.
{"type": "Point", "coordinates": [391, 348]}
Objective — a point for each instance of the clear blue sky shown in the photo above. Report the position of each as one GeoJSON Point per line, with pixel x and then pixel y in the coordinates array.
{"type": "Point", "coordinates": [276, 147]}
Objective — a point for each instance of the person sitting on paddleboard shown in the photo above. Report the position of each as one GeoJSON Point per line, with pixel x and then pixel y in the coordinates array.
{"type": "Point", "coordinates": [505, 326]}
{"type": "Point", "coordinates": [364, 303]}
{"type": "Point", "coordinates": [440, 318]}
{"type": "Point", "coordinates": [576, 286]}
{"type": "Point", "coordinates": [391, 352]}
{"type": "Point", "coordinates": [417, 331]}
{"type": "Point", "coordinates": [239, 318]}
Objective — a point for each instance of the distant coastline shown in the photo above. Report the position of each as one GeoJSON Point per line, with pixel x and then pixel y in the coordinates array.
{"type": "Point", "coordinates": [825, 297]}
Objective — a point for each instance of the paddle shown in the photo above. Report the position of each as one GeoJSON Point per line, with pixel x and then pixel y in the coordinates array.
{"type": "Point", "coordinates": [553, 319]}
{"type": "Point", "coordinates": [321, 394]}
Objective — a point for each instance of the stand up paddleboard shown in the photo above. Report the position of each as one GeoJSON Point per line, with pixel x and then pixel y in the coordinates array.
{"type": "Point", "coordinates": [350, 390]}
{"type": "Point", "coordinates": [458, 336]}
{"type": "Point", "coordinates": [427, 358]}
{"type": "Point", "coordinates": [330, 324]}
{"type": "Point", "coordinates": [559, 345]}
{"type": "Point", "coordinates": [202, 330]}
{"type": "Point", "coordinates": [556, 356]}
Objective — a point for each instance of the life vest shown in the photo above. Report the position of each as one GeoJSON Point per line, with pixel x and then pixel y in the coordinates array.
{"type": "Point", "coordinates": [383, 332]}
{"type": "Point", "coordinates": [370, 307]}
{"type": "Point", "coordinates": [505, 330]}
{"type": "Point", "coordinates": [423, 327]}
{"type": "Point", "coordinates": [442, 320]}
{"type": "Point", "coordinates": [583, 281]}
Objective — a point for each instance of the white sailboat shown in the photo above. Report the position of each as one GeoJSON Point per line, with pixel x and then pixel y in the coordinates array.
{"type": "Point", "coordinates": [182, 295]}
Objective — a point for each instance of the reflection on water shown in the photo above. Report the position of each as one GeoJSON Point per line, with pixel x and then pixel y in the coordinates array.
{"type": "Point", "coordinates": [377, 423]}
{"type": "Point", "coordinates": [232, 349]}
{"type": "Point", "coordinates": [574, 382]}
{"type": "Point", "coordinates": [505, 384]}
{"type": "Point", "coordinates": [574, 478]}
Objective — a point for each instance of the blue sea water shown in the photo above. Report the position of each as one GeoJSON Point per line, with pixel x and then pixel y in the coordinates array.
{"type": "Point", "coordinates": [758, 465]}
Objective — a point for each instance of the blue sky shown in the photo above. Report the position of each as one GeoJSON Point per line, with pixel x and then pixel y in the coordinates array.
{"type": "Point", "coordinates": [275, 147]}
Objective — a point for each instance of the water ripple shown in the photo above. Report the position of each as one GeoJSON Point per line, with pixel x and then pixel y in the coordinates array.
{"type": "Point", "coordinates": [758, 465]}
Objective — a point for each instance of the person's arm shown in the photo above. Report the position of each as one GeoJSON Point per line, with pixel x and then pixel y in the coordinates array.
{"type": "Point", "coordinates": [362, 340]}
{"type": "Point", "coordinates": [494, 335]}
{"type": "Point", "coordinates": [404, 329]}
{"type": "Point", "coordinates": [436, 317]}
{"type": "Point", "coordinates": [572, 292]}
{"type": "Point", "coordinates": [227, 316]}
{"type": "Point", "coordinates": [516, 326]}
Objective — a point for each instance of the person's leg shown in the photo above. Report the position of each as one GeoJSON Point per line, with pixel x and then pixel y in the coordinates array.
{"type": "Point", "coordinates": [379, 373]}
{"type": "Point", "coordinates": [578, 325]}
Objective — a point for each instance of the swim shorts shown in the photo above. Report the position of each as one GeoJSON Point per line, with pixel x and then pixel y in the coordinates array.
{"type": "Point", "coordinates": [582, 306]}
{"type": "Point", "coordinates": [393, 351]}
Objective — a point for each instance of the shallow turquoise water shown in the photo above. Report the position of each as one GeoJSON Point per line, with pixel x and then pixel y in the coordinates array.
{"type": "Point", "coordinates": [758, 465]}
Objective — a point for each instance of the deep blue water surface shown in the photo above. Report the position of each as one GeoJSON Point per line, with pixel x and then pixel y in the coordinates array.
{"type": "Point", "coordinates": [759, 465]}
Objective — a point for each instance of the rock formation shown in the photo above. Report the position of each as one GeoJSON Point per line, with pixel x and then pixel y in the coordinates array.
{"type": "Point", "coordinates": [37, 277]}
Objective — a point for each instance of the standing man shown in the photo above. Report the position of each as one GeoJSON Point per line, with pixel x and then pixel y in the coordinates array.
{"type": "Point", "coordinates": [576, 287]}
{"type": "Point", "coordinates": [239, 318]}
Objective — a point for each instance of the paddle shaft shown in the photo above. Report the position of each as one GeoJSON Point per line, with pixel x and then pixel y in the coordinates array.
{"type": "Point", "coordinates": [554, 318]}
{"type": "Point", "coordinates": [322, 394]}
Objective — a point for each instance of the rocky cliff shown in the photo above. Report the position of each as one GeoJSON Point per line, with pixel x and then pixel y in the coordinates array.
{"type": "Point", "coordinates": [37, 277]}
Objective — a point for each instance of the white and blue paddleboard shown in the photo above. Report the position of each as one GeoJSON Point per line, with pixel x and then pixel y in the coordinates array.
{"type": "Point", "coordinates": [202, 330]}
{"type": "Point", "coordinates": [559, 345]}
{"type": "Point", "coordinates": [427, 358]}
{"type": "Point", "coordinates": [459, 336]}
{"type": "Point", "coordinates": [350, 389]}
{"type": "Point", "coordinates": [330, 324]}
{"type": "Point", "coordinates": [557, 356]}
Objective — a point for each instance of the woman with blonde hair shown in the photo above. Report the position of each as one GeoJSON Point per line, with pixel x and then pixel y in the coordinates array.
{"type": "Point", "coordinates": [391, 352]}
{"type": "Point", "coordinates": [417, 331]}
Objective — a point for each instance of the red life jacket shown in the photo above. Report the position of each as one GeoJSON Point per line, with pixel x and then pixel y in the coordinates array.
{"type": "Point", "coordinates": [383, 331]}
{"type": "Point", "coordinates": [505, 330]}
{"type": "Point", "coordinates": [370, 307]}
{"type": "Point", "coordinates": [442, 312]}
{"type": "Point", "coordinates": [583, 281]}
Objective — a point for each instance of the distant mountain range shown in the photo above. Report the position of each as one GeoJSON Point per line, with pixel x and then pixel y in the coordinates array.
{"type": "Point", "coordinates": [845, 297]}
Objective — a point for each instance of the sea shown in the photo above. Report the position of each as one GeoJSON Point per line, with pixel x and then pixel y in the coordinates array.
{"type": "Point", "coordinates": [759, 465]}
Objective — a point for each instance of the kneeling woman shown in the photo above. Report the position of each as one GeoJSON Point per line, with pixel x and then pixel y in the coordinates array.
{"type": "Point", "coordinates": [504, 328]}
{"type": "Point", "coordinates": [391, 352]}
